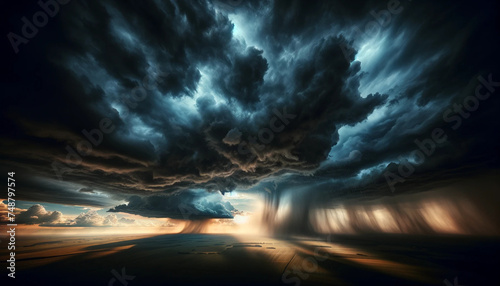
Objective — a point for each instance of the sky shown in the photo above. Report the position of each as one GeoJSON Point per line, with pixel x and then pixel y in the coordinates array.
{"type": "Point", "coordinates": [124, 112]}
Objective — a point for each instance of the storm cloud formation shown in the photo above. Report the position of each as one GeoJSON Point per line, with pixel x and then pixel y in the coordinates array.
{"type": "Point", "coordinates": [192, 205]}
{"type": "Point", "coordinates": [194, 96]}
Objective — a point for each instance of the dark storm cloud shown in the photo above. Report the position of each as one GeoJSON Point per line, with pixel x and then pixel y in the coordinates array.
{"type": "Point", "coordinates": [86, 190]}
{"type": "Point", "coordinates": [185, 84]}
{"type": "Point", "coordinates": [428, 63]}
{"type": "Point", "coordinates": [245, 77]}
{"type": "Point", "coordinates": [60, 192]}
{"type": "Point", "coordinates": [192, 205]}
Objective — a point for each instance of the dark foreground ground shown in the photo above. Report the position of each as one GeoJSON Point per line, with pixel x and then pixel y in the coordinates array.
{"type": "Point", "coordinates": [209, 259]}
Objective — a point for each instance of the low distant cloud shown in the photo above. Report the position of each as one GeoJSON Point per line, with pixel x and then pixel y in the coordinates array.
{"type": "Point", "coordinates": [168, 223]}
{"type": "Point", "coordinates": [4, 217]}
{"type": "Point", "coordinates": [92, 219]}
{"type": "Point", "coordinates": [37, 214]}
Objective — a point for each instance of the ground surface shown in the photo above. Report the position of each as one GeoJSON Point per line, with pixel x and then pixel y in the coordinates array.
{"type": "Point", "coordinates": [210, 259]}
